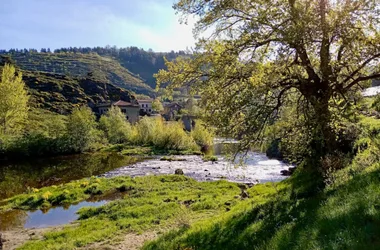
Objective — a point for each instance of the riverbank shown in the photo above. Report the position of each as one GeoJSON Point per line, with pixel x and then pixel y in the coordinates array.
{"type": "Point", "coordinates": [142, 191]}
{"type": "Point", "coordinates": [151, 203]}
{"type": "Point", "coordinates": [177, 212]}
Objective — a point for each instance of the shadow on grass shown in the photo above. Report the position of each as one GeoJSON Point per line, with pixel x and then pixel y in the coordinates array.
{"type": "Point", "coordinates": [301, 216]}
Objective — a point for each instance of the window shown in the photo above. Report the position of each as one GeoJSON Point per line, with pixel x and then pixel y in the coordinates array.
{"type": "Point", "coordinates": [150, 110]}
{"type": "Point", "coordinates": [124, 111]}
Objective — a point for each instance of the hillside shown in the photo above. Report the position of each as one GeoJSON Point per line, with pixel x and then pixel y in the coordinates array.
{"type": "Point", "coordinates": [79, 61]}
{"type": "Point", "coordinates": [139, 61]}
{"type": "Point", "coordinates": [61, 94]}
{"type": "Point", "coordinates": [77, 65]}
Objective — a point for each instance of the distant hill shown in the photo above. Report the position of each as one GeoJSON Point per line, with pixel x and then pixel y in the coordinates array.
{"type": "Point", "coordinates": [77, 65]}
{"type": "Point", "coordinates": [61, 94]}
{"type": "Point", "coordinates": [140, 64]}
{"type": "Point", "coordinates": [70, 77]}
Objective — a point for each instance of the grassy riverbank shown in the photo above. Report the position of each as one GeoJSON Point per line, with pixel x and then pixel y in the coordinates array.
{"type": "Point", "coordinates": [298, 213]}
{"type": "Point", "coordinates": [153, 202]}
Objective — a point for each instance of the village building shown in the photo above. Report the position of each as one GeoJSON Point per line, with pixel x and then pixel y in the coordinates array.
{"type": "Point", "coordinates": [131, 110]}
{"type": "Point", "coordinates": [145, 105]}
{"type": "Point", "coordinates": [171, 110]}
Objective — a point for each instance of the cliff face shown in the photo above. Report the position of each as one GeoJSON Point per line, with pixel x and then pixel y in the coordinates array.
{"type": "Point", "coordinates": [61, 94]}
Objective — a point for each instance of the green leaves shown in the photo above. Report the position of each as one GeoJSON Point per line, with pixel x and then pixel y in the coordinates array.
{"type": "Point", "coordinates": [13, 102]}
{"type": "Point", "coordinates": [266, 55]}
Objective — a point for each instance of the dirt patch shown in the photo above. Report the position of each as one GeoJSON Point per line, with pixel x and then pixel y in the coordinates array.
{"type": "Point", "coordinates": [126, 242]}
{"type": "Point", "coordinates": [16, 238]}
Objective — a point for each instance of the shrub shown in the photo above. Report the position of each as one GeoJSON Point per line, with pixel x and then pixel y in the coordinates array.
{"type": "Point", "coordinates": [115, 126]}
{"type": "Point", "coordinates": [202, 135]}
{"type": "Point", "coordinates": [168, 136]}
{"type": "Point", "coordinates": [81, 129]}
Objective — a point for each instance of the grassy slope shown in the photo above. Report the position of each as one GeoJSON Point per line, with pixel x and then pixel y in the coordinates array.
{"type": "Point", "coordinates": [152, 203]}
{"type": "Point", "coordinates": [345, 216]}
{"type": "Point", "coordinates": [103, 69]}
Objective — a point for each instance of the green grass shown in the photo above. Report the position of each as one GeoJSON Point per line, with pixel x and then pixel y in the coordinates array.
{"type": "Point", "coordinates": [293, 214]}
{"type": "Point", "coordinates": [152, 202]}
{"type": "Point", "coordinates": [171, 158]}
{"type": "Point", "coordinates": [212, 158]}
{"type": "Point", "coordinates": [65, 194]}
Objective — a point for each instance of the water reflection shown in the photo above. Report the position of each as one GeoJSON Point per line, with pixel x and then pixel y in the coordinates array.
{"type": "Point", "coordinates": [17, 219]}
{"type": "Point", "coordinates": [15, 178]}
{"type": "Point", "coordinates": [12, 219]}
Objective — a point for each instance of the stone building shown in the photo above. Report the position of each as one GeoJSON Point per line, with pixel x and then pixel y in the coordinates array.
{"type": "Point", "coordinates": [145, 105]}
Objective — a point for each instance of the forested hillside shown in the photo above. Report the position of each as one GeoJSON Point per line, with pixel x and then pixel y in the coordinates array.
{"type": "Point", "coordinates": [102, 69]}
{"type": "Point", "coordinates": [131, 68]}
{"type": "Point", "coordinates": [62, 93]}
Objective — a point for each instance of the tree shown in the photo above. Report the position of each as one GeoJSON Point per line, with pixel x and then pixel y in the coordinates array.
{"type": "Point", "coordinates": [115, 125]}
{"type": "Point", "coordinates": [263, 55]}
{"type": "Point", "coordinates": [13, 102]}
{"type": "Point", "coordinates": [157, 105]}
{"type": "Point", "coordinates": [81, 127]}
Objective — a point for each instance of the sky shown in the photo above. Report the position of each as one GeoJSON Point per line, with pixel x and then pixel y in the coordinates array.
{"type": "Point", "coordinates": [147, 24]}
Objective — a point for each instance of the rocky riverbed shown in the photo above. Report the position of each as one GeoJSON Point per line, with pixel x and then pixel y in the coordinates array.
{"type": "Point", "coordinates": [255, 168]}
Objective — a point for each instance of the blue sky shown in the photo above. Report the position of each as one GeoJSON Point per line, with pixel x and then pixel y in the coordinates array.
{"type": "Point", "coordinates": [81, 23]}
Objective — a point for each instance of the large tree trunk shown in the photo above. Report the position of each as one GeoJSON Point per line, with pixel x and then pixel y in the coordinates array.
{"type": "Point", "coordinates": [324, 137]}
{"type": "Point", "coordinates": [323, 141]}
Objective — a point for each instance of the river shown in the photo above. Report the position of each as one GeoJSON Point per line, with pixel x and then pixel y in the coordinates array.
{"type": "Point", "coordinates": [16, 178]}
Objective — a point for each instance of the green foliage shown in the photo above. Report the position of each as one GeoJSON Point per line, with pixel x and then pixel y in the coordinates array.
{"type": "Point", "coordinates": [202, 135]}
{"type": "Point", "coordinates": [376, 104]}
{"type": "Point", "coordinates": [81, 129]}
{"type": "Point", "coordinates": [115, 125]}
{"type": "Point", "coordinates": [157, 105]}
{"type": "Point", "coordinates": [212, 158]}
{"type": "Point", "coordinates": [13, 102]}
{"type": "Point", "coordinates": [265, 55]}
{"type": "Point", "coordinates": [169, 136]}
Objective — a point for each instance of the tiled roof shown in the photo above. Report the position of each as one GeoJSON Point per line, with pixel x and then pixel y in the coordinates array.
{"type": "Point", "coordinates": [118, 104]}
{"type": "Point", "coordinates": [123, 103]}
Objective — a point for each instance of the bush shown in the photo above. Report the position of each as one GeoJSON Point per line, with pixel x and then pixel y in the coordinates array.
{"type": "Point", "coordinates": [81, 129]}
{"type": "Point", "coordinates": [115, 126]}
{"type": "Point", "coordinates": [376, 104]}
{"type": "Point", "coordinates": [168, 136]}
{"type": "Point", "coordinates": [202, 135]}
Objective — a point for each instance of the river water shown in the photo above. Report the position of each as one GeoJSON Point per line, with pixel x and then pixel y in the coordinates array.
{"type": "Point", "coordinates": [16, 178]}
{"type": "Point", "coordinates": [253, 168]}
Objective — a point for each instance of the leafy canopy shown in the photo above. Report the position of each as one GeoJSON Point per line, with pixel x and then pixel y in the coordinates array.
{"type": "Point", "coordinates": [265, 55]}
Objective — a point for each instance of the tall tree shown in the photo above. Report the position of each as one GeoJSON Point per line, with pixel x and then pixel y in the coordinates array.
{"type": "Point", "coordinates": [264, 54]}
{"type": "Point", "coordinates": [13, 102]}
